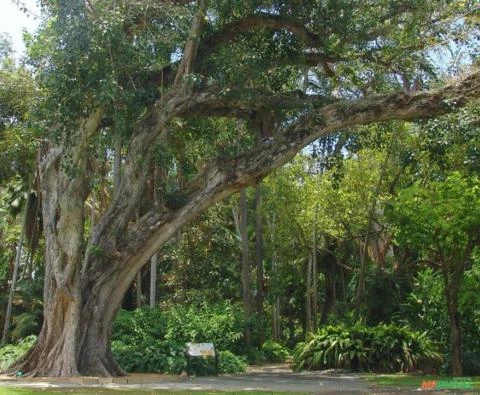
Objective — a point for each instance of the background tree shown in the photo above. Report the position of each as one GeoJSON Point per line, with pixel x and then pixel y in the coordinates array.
{"type": "Point", "coordinates": [441, 220]}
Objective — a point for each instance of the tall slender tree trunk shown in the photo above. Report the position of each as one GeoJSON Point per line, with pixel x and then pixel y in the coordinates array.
{"type": "Point", "coordinates": [308, 296]}
{"type": "Point", "coordinates": [138, 289]}
{"type": "Point", "coordinates": [13, 284]}
{"type": "Point", "coordinates": [259, 262]}
{"type": "Point", "coordinates": [452, 276]}
{"type": "Point", "coordinates": [329, 262]}
{"type": "Point", "coordinates": [276, 304]}
{"type": "Point", "coordinates": [455, 336]}
{"type": "Point", "coordinates": [153, 281]}
{"type": "Point", "coordinates": [245, 266]}
{"type": "Point", "coordinates": [314, 276]}
{"type": "Point", "coordinates": [369, 228]}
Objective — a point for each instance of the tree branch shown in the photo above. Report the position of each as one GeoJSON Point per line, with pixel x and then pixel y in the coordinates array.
{"type": "Point", "coordinates": [232, 31]}
{"type": "Point", "coordinates": [226, 176]}
{"type": "Point", "coordinates": [190, 52]}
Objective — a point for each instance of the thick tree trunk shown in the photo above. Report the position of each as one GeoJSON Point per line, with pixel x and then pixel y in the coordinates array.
{"type": "Point", "coordinates": [76, 334]}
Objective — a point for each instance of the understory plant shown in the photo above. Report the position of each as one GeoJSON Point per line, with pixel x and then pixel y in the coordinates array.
{"type": "Point", "coordinates": [11, 352]}
{"type": "Point", "coordinates": [382, 348]}
{"type": "Point", "coordinates": [153, 340]}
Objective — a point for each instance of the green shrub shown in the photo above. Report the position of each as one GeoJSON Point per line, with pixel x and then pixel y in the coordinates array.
{"type": "Point", "coordinates": [136, 327]}
{"type": "Point", "coordinates": [151, 356]}
{"type": "Point", "coordinates": [275, 352]}
{"type": "Point", "coordinates": [221, 324]}
{"type": "Point", "coordinates": [153, 340]}
{"type": "Point", "coordinates": [230, 363]}
{"type": "Point", "coordinates": [383, 348]}
{"type": "Point", "coordinates": [11, 352]}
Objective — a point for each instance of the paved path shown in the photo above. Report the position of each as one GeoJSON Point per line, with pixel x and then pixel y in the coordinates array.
{"type": "Point", "coordinates": [275, 378]}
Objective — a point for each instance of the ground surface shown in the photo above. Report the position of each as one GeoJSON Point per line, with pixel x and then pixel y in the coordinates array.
{"type": "Point", "coordinates": [270, 379]}
{"type": "Point", "coordinates": [273, 378]}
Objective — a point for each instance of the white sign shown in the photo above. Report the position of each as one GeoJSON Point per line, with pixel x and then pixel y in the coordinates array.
{"type": "Point", "coordinates": [201, 349]}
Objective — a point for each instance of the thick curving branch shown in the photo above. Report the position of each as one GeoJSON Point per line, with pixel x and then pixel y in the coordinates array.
{"type": "Point", "coordinates": [227, 176]}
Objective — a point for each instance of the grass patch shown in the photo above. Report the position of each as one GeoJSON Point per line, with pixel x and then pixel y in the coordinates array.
{"type": "Point", "coordinates": [415, 381]}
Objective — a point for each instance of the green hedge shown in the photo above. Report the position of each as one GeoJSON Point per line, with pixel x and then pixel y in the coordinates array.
{"type": "Point", "coordinates": [383, 348]}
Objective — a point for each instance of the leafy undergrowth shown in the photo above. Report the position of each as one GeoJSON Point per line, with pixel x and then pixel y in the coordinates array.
{"type": "Point", "coordinates": [11, 352]}
{"type": "Point", "coordinates": [383, 348]}
{"type": "Point", "coordinates": [153, 340]}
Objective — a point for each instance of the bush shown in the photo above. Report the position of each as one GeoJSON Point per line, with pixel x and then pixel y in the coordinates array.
{"type": "Point", "coordinates": [383, 348]}
{"type": "Point", "coordinates": [221, 324]}
{"type": "Point", "coordinates": [230, 363]}
{"type": "Point", "coordinates": [150, 356]}
{"type": "Point", "coordinates": [153, 340]}
{"type": "Point", "coordinates": [275, 352]}
{"type": "Point", "coordinates": [11, 352]}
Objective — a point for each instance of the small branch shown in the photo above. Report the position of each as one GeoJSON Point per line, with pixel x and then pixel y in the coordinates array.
{"type": "Point", "coordinates": [190, 52]}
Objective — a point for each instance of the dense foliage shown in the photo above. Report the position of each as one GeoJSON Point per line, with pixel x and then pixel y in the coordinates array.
{"type": "Point", "coordinates": [382, 348]}
{"type": "Point", "coordinates": [11, 352]}
{"type": "Point", "coordinates": [153, 340]}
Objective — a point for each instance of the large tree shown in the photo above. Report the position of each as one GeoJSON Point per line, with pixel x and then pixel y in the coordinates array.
{"type": "Point", "coordinates": [148, 77]}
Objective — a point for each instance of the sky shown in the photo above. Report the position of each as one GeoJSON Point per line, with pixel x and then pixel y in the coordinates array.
{"type": "Point", "coordinates": [13, 20]}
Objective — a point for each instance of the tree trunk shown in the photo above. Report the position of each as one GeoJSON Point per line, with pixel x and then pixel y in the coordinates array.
{"type": "Point", "coordinates": [330, 264]}
{"type": "Point", "coordinates": [314, 276]}
{"type": "Point", "coordinates": [308, 297]}
{"type": "Point", "coordinates": [245, 266]}
{"type": "Point", "coordinates": [76, 333]}
{"type": "Point", "coordinates": [8, 313]}
{"type": "Point", "coordinates": [153, 281]}
{"type": "Point", "coordinates": [259, 261]}
{"type": "Point", "coordinates": [276, 304]}
{"type": "Point", "coordinates": [369, 228]}
{"type": "Point", "coordinates": [455, 337]}
{"type": "Point", "coordinates": [138, 289]}
{"type": "Point", "coordinates": [452, 276]}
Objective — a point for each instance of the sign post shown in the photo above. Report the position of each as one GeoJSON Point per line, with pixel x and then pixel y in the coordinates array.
{"type": "Point", "coordinates": [201, 350]}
